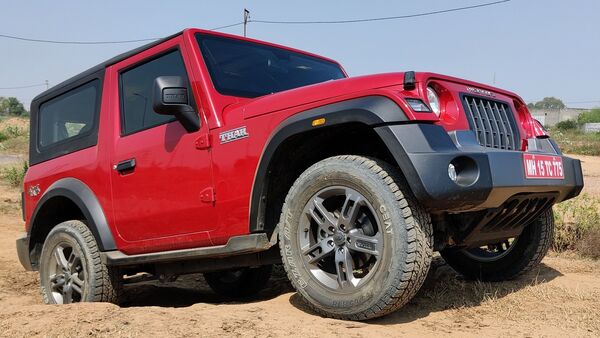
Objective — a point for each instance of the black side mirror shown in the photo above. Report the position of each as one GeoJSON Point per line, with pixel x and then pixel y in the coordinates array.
{"type": "Point", "coordinates": [170, 97]}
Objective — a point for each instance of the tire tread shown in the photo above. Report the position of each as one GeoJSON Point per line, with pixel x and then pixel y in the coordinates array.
{"type": "Point", "coordinates": [419, 248]}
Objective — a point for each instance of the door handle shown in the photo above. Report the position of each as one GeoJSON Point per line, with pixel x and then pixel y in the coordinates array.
{"type": "Point", "coordinates": [125, 166]}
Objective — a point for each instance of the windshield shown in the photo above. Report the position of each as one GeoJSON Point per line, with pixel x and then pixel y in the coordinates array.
{"type": "Point", "coordinates": [246, 69]}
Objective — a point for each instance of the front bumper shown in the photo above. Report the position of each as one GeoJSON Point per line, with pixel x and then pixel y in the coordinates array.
{"type": "Point", "coordinates": [23, 251]}
{"type": "Point", "coordinates": [424, 151]}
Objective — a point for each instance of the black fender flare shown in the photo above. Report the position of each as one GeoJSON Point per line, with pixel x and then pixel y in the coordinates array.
{"type": "Point", "coordinates": [84, 198]}
{"type": "Point", "coordinates": [369, 110]}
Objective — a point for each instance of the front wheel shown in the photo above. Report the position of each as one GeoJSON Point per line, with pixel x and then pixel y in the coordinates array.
{"type": "Point", "coordinates": [508, 259]}
{"type": "Point", "coordinates": [354, 242]}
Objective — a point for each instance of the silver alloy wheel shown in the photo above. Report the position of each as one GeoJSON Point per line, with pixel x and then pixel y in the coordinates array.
{"type": "Point", "coordinates": [341, 239]}
{"type": "Point", "coordinates": [66, 274]}
{"type": "Point", "coordinates": [491, 252]}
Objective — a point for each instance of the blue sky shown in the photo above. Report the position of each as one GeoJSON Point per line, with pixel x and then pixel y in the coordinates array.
{"type": "Point", "coordinates": [535, 48]}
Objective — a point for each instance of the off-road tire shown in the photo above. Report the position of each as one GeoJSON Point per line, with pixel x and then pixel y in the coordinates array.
{"type": "Point", "coordinates": [239, 283]}
{"type": "Point", "coordinates": [102, 283]}
{"type": "Point", "coordinates": [528, 251]}
{"type": "Point", "coordinates": [407, 246]}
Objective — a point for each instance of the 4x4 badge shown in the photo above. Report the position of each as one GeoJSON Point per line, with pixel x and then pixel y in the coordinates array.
{"type": "Point", "coordinates": [233, 135]}
{"type": "Point", "coordinates": [34, 190]}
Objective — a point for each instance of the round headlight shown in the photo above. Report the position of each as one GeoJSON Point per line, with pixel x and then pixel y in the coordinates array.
{"type": "Point", "coordinates": [434, 101]}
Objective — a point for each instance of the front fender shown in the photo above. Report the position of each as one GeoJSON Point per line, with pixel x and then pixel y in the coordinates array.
{"type": "Point", "coordinates": [369, 110]}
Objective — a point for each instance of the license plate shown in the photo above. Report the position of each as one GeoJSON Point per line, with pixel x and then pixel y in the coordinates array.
{"type": "Point", "coordinates": [543, 166]}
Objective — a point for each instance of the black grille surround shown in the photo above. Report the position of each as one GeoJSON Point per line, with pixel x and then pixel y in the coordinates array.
{"type": "Point", "coordinates": [492, 121]}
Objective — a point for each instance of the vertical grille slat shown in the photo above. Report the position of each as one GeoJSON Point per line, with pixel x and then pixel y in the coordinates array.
{"type": "Point", "coordinates": [501, 127]}
{"type": "Point", "coordinates": [512, 133]}
{"type": "Point", "coordinates": [490, 131]}
{"type": "Point", "coordinates": [493, 122]}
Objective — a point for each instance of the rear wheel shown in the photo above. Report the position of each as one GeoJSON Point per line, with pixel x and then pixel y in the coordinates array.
{"type": "Point", "coordinates": [354, 242]}
{"type": "Point", "coordinates": [71, 270]}
{"type": "Point", "coordinates": [507, 259]}
{"type": "Point", "coordinates": [239, 283]}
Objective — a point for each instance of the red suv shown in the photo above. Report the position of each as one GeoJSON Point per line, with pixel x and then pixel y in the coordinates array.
{"type": "Point", "coordinates": [206, 152]}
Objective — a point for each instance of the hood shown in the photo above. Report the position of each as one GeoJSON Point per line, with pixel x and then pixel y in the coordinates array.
{"type": "Point", "coordinates": [318, 92]}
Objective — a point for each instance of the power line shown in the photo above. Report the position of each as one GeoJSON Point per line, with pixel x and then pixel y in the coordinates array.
{"type": "Point", "coordinates": [74, 42]}
{"type": "Point", "coordinates": [247, 20]}
{"type": "Point", "coordinates": [97, 42]}
{"type": "Point", "coordinates": [227, 26]}
{"type": "Point", "coordinates": [300, 22]}
{"type": "Point", "coordinates": [22, 87]}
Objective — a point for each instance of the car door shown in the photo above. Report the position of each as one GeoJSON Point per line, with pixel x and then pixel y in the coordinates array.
{"type": "Point", "coordinates": [161, 183]}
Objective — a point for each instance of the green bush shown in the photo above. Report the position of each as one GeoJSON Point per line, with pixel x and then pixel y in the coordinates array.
{"type": "Point", "coordinates": [566, 125]}
{"type": "Point", "coordinates": [592, 116]}
{"type": "Point", "coordinates": [14, 131]}
{"type": "Point", "coordinates": [15, 175]}
{"type": "Point", "coordinates": [3, 136]}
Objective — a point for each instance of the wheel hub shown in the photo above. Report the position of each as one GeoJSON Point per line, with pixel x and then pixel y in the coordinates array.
{"type": "Point", "coordinates": [65, 275]}
{"type": "Point", "coordinates": [341, 238]}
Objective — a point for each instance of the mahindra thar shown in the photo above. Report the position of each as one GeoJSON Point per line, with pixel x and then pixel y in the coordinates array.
{"type": "Point", "coordinates": [210, 153]}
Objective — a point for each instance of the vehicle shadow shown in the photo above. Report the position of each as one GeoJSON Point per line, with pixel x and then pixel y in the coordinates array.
{"type": "Point", "coordinates": [445, 289]}
{"type": "Point", "coordinates": [191, 289]}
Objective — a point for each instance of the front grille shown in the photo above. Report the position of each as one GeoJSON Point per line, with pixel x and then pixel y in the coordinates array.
{"type": "Point", "coordinates": [493, 122]}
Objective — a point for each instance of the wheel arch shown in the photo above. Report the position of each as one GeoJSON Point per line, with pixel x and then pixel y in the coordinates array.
{"type": "Point", "coordinates": [68, 199]}
{"type": "Point", "coordinates": [295, 145]}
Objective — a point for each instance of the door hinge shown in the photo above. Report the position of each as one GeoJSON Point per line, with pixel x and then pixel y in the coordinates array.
{"type": "Point", "coordinates": [203, 141]}
{"type": "Point", "coordinates": [208, 195]}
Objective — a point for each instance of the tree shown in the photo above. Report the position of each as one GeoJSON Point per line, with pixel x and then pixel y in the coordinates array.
{"type": "Point", "coordinates": [548, 103]}
{"type": "Point", "coordinates": [12, 106]}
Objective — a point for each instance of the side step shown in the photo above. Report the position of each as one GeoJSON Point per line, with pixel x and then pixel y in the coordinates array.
{"type": "Point", "coordinates": [238, 245]}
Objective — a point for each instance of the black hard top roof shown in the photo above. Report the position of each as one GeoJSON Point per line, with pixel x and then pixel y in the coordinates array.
{"type": "Point", "coordinates": [102, 66]}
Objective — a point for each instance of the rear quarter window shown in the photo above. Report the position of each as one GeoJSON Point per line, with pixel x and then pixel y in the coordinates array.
{"type": "Point", "coordinates": [69, 116]}
{"type": "Point", "coordinates": [66, 120]}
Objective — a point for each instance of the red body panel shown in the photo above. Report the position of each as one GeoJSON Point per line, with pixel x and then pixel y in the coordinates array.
{"type": "Point", "coordinates": [160, 205]}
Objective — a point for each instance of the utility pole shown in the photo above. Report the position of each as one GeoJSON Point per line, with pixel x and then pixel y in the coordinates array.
{"type": "Point", "coordinates": [246, 18]}
{"type": "Point", "coordinates": [47, 85]}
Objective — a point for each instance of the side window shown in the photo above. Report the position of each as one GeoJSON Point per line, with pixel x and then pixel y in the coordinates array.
{"type": "Point", "coordinates": [136, 92]}
{"type": "Point", "coordinates": [69, 116]}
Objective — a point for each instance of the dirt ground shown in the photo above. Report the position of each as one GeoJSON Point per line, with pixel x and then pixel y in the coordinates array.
{"type": "Point", "coordinates": [561, 298]}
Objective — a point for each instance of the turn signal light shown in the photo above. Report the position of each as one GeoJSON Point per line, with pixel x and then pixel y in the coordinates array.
{"type": "Point", "coordinates": [318, 122]}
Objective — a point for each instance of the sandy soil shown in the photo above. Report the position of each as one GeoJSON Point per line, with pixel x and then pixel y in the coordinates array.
{"type": "Point", "coordinates": [561, 298]}
{"type": "Point", "coordinates": [591, 172]}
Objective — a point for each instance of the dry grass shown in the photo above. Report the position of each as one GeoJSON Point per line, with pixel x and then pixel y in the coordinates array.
{"type": "Point", "coordinates": [578, 226]}
{"type": "Point", "coordinates": [574, 141]}
{"type": "Point", "coordinates": [589, 245]}
{"type": "Point", "coordinates": [15, 136]}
